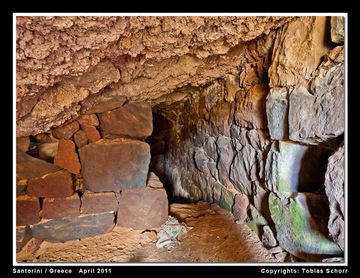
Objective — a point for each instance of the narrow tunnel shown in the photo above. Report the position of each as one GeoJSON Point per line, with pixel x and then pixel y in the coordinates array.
{"type": "Point", "coordinates": [227, 150]}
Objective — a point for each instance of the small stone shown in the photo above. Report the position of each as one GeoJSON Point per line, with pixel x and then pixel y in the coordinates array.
{"type": "Point", "coordinates": [54, 208]}
{"type": "Point", "coordinates": [72, 228]}
{"type": "Point", "coordinates": [119, 164]}
{"type": "Point", "coordinates": [142, 209]}
{"type": "Point", "coordinates": [98, 202]}
{"type": "Point", "coordinates": [53, 185]}
{"type": "Point", "coordinates": [48, 151]}
{"type": "Point", "coordinates": [23, 143]}
{"type": "Point", "coordinates": [80, 138]}
{"type": "Point", "coordinates": [268, 238]}
{"type": "Point", "coordinates": [21, 186]}
{"type": "Point", "coordinates": [153, 181]}
{"type": "Point", "coordinates": [90, 119]}
{"type": "Point", "coordinates": [132, 119]}
{"type": "Point", "coordinates": [27, 210]}
{"type": "Point", "coordinates": [67, 157]}
{"type": "Point", "coordinates": [65, 131]}
{"type": "Point", "coordinates": [91, 133]}
{"type": "Point", "coordinates": [239, 210]}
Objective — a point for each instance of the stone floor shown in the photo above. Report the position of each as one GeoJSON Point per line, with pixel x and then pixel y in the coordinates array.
{"type": "Point", "coordinates": [212, 237]}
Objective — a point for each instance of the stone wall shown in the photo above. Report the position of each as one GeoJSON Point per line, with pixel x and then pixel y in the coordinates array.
{"type": "Point", "coordinates": [88, 175]}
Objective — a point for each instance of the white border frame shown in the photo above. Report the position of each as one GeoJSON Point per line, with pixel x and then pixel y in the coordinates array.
{"type": "Point", "coordinates": [180, 264]}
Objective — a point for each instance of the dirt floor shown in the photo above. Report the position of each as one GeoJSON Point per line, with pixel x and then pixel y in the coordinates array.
{"type": "Point", "coordinates": [212, 237]}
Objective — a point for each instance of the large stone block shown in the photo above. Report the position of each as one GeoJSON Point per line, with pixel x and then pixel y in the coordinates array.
{"type": "Point", "coordinates": [29, 167]}
{"type": "Point", "coordinates": [54, 208]}
{"type": "Point", "coordinates": [292, 167]}
{"type": "Point", "coordinates": [98, 202]}
{"type": "Point", "coordinates": [320, 115]}
{"type": "Point", "coordinates": [27, 210]}
{"type": "Point", "coordinates": [132, 119]}
{"type": "Point", "coordinates": [111, 165]}
{"type": "Point", "coordinates": [72, 228]}
{"type": "Point", "coordinates": [301, 225]}
{"type": "Point", "coordinates": [66, 157]}
{"type": "Point", "coordinates": [142, 209]}
{"type": "Point", "coordinates": [334, 188]}
{"type": "Point", "coordinates": [277, 107]}
{"type": "Point", "coordinates": [53, 185]}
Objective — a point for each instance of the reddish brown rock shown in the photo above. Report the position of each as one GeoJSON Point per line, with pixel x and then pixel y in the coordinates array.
{"type": "Point", "coordinates": [99, 104]}
{"type": "Point", "coordinates": [53, 185]}
{"type": "Point", "coordinates": [142, 209]}
{"type": "Point", "coordinates": [80, 138]}
{"type": "Point", "coordinates": [47, 151]}
{"type": "Point", "coordinates": [30, 167]}
{"type": "Point", "coordinates": [91, 133]}
{"type": "Point", "coordinates": [98, 202]}
{"type": "Point", "coordinates": [111, 165]}
{"type": "Point", "coordinates": [67, 157]}
{"type": "Point", "coordinates": [27, 210]}
{"type": "Point", "coordinates": [132, 119]}
{"type": "Point", "coordinates": [88, 119]}
{"type": "Point", "coordinates": [153, 181]}
{"type": "Point", "coordinates": [61, 207]}
{"type": "Point", "coordinates": [65, 131]}
{"type": "Point", "coordinates": [23, 143]}
{"type": "Point", "coordinates": [241, 203]}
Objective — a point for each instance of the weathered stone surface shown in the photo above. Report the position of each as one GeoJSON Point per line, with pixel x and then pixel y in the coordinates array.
{"type": "Point", "coordinates": [59, 103]}
{"type": "Point", "coordinates": [66, 157]}
{"type": "Point", "coordinates": [132, 119]}
{"type": "Point", "coordinates": [119, 164]}
{"type": "Point", "coordinates": [72, 228]}
{"type": "Point", "coordinates": [142, 209]}
{"type": "Point", "coordinates": [23, 235]}
{"type": "Point", "coordinates": [27, 210]}
{"type": "Point", "coordinates": [226, 154]}
{"type": "Point", "coordinates": [48, 151]}
{"type": "Point", "coordinates": [298, 50]}
{"type": "Point", "coordinates": [80, 138]}
{"type": "Point", "coordinates": [268, 239]}
{"type": "Point", "coordinates": [30, 167]}
{"type": "Point", "coordinates": [201, 160]}
{"type": "Point", "coordinates": [65, 131]}
{"type": "Point", "coordinates": [103, 103]}
{"type": "Point", "coordinates": [255, 220]}
{"type": "Point", "coordinates": [154, 181]}
{"type": "Point", "coordinates": [277, 107]}
{"type": "Point", "coordinates": [250, 108]}
{"type": "Point", "coordinates": [98, 202]}
{"type": "Point", "coordinates": [91, 133]}
{"type": "Point", "coordinates": [293, 167]}
{"type": "Point", "coordinates": [239, 210]}
{"type": "Point", "coordinates": [334, 188]}
{"type": "Point", "coordinates": [23, 143]}
{"type": "Point", "coordinates": [301, 225]}
{"type": "Point", "coordinates": [54, 208]}
{"type": "Point", "coordinates": [88, 119]}
{"type": "Point", "coordinates": [53, 185]}
{"type": "Point", "coordinates": [43, 138]}
{"type": "Point", "coordinates": [337, 29]}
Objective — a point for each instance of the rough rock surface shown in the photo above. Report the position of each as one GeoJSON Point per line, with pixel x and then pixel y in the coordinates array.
{"type": "Point", "coordinates": [54, 208]}
{"type": "Point", "coordinates": [119, 164]}
{"type": "Point", "coordinates": [132, 120]}
{"type": "Point", "coordinates": [301, 225]}
{"type": "Point", "coordinates": [98, 202]}
{"type": "Point", "coordinates": [65, 131]}
{"type": "Point", "coordinates": [240, 208]}
{"type": "Point", "coordinates": [71, 228]}
{"type": "Point", "coordinates": [277, 108]}
{"type": "Point", "coordinates": [66, 157]}
{"type": "Point", "coordinates": [23, 143]}
{"type": "Point", "coordinates": [337, 29]}
{"type": "Point", "coordinates": [27, 210]}
{"type": "Point", "coordinates": [142, 209]}
{"type": "Point", "coordinates": [334, 187]}
{"type": "Point", "coordinates": [23, 235]}
{"type": "Point", "coordinates": [53, 185]}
